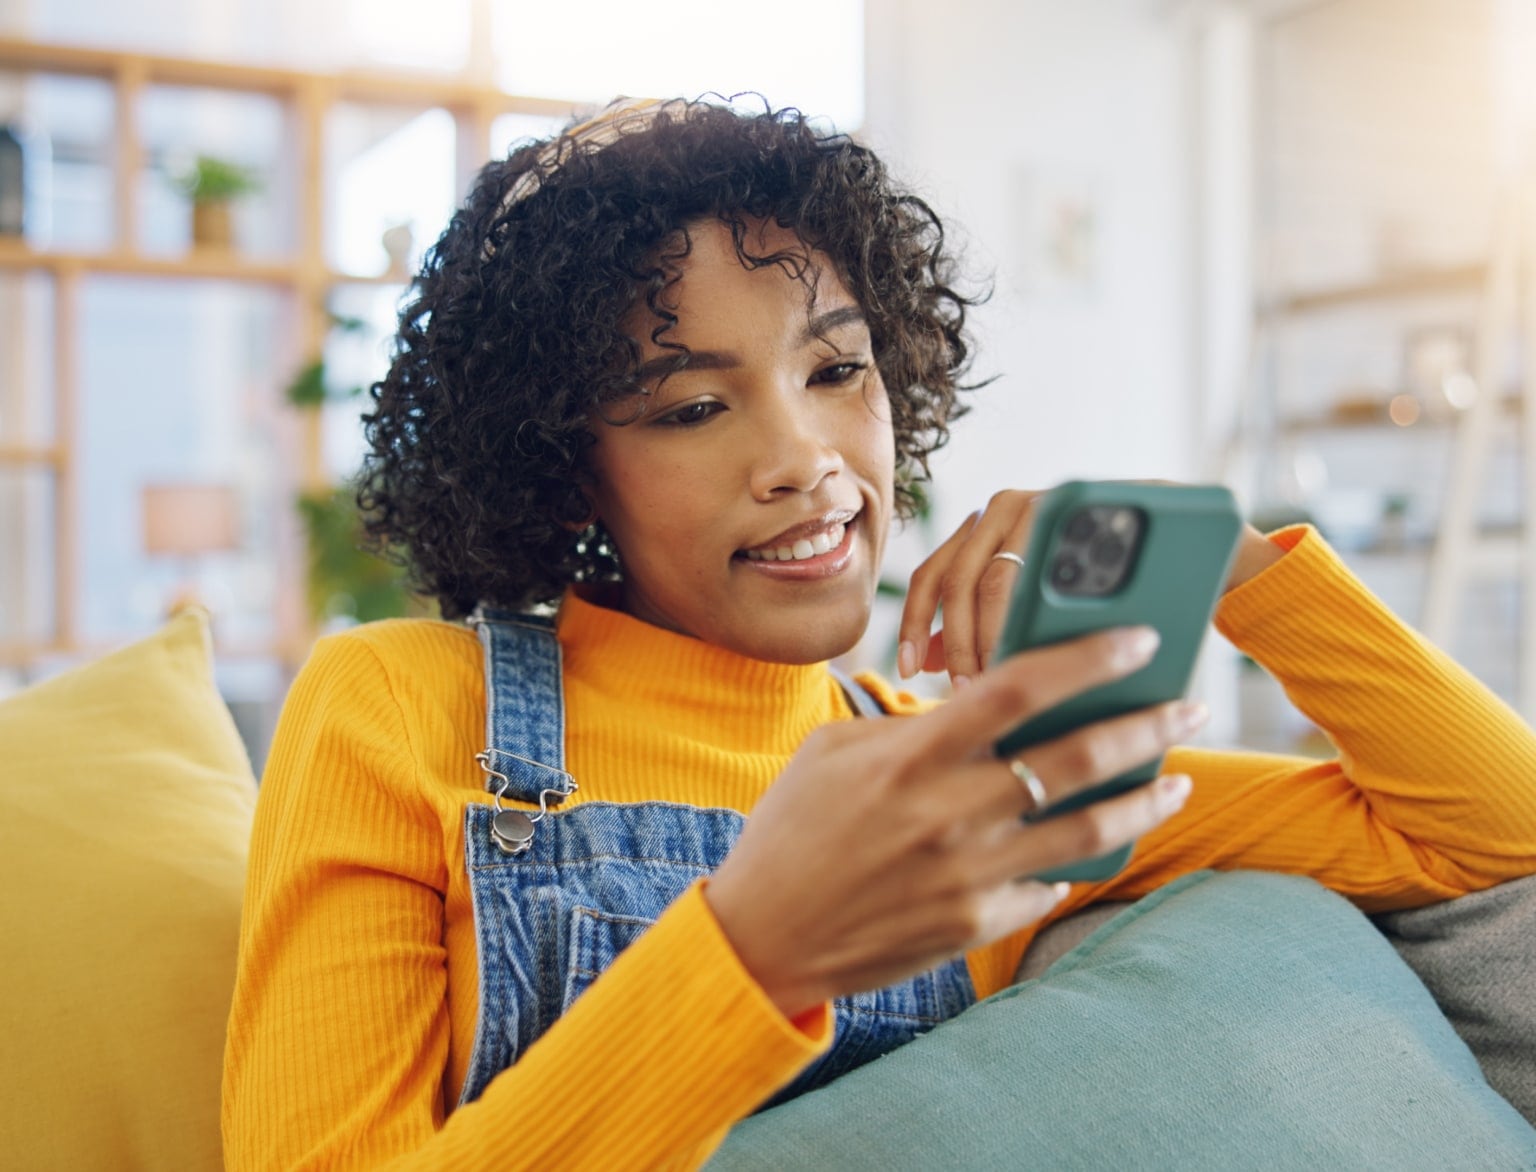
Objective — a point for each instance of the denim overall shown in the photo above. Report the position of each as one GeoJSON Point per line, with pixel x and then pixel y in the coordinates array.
{"type": "Point", "coordinates": [550, 918]}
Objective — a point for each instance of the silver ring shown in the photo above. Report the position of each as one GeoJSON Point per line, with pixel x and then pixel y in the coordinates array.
{"type": "Point", "coordinates": [1030, 780]}
{"type": "Point", "coordinates": [1009, 557]}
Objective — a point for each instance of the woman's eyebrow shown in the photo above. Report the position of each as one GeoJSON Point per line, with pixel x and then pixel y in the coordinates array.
{"type": "Point", "coordinates": [831, 320]}
{"type": "Point", "coordinates": [674, 362]}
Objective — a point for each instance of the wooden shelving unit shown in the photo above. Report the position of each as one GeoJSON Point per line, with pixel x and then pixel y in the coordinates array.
{"type": "Point", "coordinates": [304, 277]}
{"type": "Point", "coordinates": [1399, 286]}
{"type": "Point", "coordinates": [195, 265]}
{"type": "Point", "coordinates": [1465, 550]}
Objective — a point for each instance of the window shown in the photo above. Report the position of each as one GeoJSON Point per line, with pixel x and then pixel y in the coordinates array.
{"type": "Point", "coordinates": [805, 53]}
{"type": "Point", "coordinates": [139, 369]}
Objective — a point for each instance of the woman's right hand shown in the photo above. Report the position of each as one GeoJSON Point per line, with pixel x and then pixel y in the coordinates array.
{"type": "Point", "coordinates": [889, 846]}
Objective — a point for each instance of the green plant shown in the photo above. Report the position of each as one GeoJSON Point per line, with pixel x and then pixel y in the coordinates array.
{"type": "Point", "coordinates": [345, 579]}
{"type": "Point", "coordinates": [922, 521]}
{"type": "Point", "coordinates": [210, 180]}
{"type": "Point", "coordinates": [310, 387]}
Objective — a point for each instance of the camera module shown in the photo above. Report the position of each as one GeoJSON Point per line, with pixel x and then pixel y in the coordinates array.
{"type": "Point", "coordinates": [1096, 550]}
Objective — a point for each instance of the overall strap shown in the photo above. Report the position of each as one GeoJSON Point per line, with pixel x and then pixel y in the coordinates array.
{"type": "Point", "coordinates": [861, 698]}
{"type": "Point", "coordinates": [524, 706]}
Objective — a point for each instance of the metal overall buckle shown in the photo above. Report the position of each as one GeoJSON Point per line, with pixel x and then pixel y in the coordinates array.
{"type": "Point", "coordinates": [512, 830]}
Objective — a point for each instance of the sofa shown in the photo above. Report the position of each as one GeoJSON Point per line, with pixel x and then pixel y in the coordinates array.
{"type": "Point", "coordinates": [126, 800]}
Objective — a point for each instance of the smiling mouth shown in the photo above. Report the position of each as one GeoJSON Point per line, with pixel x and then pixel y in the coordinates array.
{"type": "Point", "coordinates": [806, 553]}
{"type": "Point", "coordinates": [803, 549]}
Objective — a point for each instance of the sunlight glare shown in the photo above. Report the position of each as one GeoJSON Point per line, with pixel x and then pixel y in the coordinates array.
{"type": "Point", "coordinates": [804, 53]}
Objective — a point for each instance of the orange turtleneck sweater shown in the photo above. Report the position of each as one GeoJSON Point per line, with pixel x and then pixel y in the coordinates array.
{"type": "Point", "coordinates": [356, 998]}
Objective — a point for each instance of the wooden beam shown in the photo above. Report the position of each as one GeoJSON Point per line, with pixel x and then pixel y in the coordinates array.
{"type": "Point", "coordinates": [128, 160]}
{"type": "Point", "coordinates": [66, 499]}
{"type": "Point", "coordinates": [1452, 279]}
{"type": "Point", "coordinates": [24, 454]}
{"type": "Point", "coordinates": [395, 86]}
{"type": "Point", "coordinates": [212, 266]}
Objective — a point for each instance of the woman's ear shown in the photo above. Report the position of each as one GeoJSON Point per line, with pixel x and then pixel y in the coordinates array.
{"type": "Point", "coordinates": [578, 512]}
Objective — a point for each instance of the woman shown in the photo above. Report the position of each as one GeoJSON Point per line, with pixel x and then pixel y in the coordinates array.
{"type": "Point", "coordinates": [677, 371]}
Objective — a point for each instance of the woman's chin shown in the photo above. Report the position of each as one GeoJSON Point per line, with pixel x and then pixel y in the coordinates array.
{"type": "Point", "coordinates": [808, 642]}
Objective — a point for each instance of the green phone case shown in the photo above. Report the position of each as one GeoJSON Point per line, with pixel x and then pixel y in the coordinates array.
{"type": "Point", "coordinates": [1188, 538]}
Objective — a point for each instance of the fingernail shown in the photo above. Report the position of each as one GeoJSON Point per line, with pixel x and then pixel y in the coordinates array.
{"type": "Point", "coordinates": [1187, 717]}
{"type": "Point", "coordinates": [1061, 890]}
{"type": "Point", "coordinates": [1172, 792]}
{"type": "Point", "coordinates": [1137, 645]}
{"type": "Point", "coordinates": [906, 659]}
{"type": "Point", "coordinates": [960, 683]}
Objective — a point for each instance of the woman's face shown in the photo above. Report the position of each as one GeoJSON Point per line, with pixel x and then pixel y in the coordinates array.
{"type": "Point", "coordinates": [750, 502]}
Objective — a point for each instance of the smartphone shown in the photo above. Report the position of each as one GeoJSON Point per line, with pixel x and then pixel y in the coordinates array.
{"type": "Point", "coordinates": [1114, 554]}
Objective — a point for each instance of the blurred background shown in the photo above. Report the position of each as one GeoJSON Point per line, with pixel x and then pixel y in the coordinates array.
{"type": "Point", "coordinates": [1279, 243]}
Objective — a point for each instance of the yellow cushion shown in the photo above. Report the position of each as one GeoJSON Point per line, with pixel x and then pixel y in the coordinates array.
{"type": "Point", "coordinates": [125, 808]}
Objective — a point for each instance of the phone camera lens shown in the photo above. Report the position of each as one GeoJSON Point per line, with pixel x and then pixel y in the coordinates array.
{"type": "Point", "coordinates": [1066, 572]}
{"type": "Point", "coordinates": [1108, 550]}
{"type": "Point", "coordinates": [1081, 526]}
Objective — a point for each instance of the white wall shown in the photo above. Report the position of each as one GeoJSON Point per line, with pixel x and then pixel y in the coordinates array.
{"type": "Point", "coordinates": [989, 105]}
{"type": "Point", "coordinates": [1139, 106]}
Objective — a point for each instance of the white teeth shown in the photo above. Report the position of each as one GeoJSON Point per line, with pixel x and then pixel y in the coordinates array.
{"type": "Point", "coordinates": [807, 547]}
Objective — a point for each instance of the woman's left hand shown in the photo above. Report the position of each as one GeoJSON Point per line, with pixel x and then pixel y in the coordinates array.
{"type": "Point", "coordinates": [973, 585]}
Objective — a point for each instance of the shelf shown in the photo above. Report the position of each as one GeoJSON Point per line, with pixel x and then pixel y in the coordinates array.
{"type": "Point", "coordinates": [396, 88]}
{"type": "Point", "coordinates": [1496, 553]}
{"type": "Point", "coordinates": [192, 265]}
{"type": "Point", "coordinates": [1420, 283]}
{"type": "Point", "coordinates": [1324, 424]}
{"type": "Point", "coordinates": [14, 655]}
{"type": "Point", "coordinates": [1314, 425]}
{"type": "Point", "coordinates": [381, 279]}
{"type": "Point", "coordinates": [13, 454]}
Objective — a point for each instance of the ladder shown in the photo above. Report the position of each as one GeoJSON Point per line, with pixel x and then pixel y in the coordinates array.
{"type": "Point", "coordinates": [1462, 551]}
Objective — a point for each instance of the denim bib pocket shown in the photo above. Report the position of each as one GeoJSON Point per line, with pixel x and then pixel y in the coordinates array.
{"type": "Point", "coordinates": [597, 938]}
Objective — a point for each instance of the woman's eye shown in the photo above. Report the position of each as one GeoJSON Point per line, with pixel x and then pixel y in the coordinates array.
{"type": "Point", "coordinates": [839, 372]}
{"type": "Point", "coordinates": [692, 414]}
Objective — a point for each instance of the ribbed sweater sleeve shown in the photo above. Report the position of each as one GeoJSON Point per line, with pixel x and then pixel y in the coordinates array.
{"type": "Point", "coordinates": [1432, 793]}
{"type": "Point", "coordinates": [672, 1045]}
{"type": "Point", "coordinates": [339, 1033]}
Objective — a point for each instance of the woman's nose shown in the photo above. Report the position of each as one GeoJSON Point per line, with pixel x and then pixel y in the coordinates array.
{"type": "Point", "coordinates": [794, 450]}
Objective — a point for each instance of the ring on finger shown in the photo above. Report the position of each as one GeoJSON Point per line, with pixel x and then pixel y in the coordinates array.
{"type": "Point", "coordinates": [1009, 556]}
{"type": "Point", "coordinates": [1030, 781]}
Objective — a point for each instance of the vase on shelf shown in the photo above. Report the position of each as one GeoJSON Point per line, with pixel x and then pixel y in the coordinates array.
{"type": "Point", "coordinates": [13, 201]}
{"type": "Point", "coordinates": [399, 241]}
{"type": "Point", "coordinates": [213, 224]}
{"type": "Point", "coordinates": [212, 185]}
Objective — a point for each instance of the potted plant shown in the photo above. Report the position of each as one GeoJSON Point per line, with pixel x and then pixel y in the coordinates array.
{"type": "Point", "coordinates": [213, 185]}
{"type": "Point", "coordinates": [310, 387]}
{"type": "Point", "coordinates": [345, 582]}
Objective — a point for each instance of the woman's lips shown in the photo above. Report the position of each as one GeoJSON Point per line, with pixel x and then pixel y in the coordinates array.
{"type": "Point", "coordinates": [819, 555]}
{"type": "Point", "coordinates": [802, 549]}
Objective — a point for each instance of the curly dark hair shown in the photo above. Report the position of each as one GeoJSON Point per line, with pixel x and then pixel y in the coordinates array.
{"type": "Point", "coordinates": [510, 339]}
